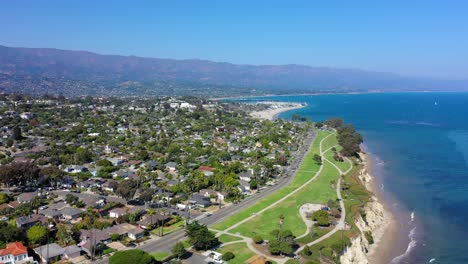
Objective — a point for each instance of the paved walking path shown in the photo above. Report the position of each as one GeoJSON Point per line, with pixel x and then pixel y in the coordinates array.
{"type": "Point", "coordinates": [339, 226]}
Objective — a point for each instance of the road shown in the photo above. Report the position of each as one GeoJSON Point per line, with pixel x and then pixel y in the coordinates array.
{"type": "Point", "coordinates": [167, 242]}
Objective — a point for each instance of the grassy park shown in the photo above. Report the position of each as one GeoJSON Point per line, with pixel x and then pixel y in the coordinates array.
{"type": "Point", "coordinates": [320, 190]}
{"type": "Point", "coordinates": [240, 250]}
{"type": "Point", "coordinates": [307, 170]}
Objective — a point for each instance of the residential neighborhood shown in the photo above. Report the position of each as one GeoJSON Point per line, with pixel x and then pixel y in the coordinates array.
{"type": "Point", "coordinates": [85, 177]}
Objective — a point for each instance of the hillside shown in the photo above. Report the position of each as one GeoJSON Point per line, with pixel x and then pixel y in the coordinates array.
{"type": "Point", "coordinates": [38, 71]}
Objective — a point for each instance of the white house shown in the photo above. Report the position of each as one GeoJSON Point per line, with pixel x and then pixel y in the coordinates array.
{"type": "Point", "coordinates": [15, 253]}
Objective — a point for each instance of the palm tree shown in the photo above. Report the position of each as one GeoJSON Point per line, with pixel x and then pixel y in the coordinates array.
{"type": "Point", "coordinates": [151, 212]}
{"type": "Point", "coordinates": [35, 203]}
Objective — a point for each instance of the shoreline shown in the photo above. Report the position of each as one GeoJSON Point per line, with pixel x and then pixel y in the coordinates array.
{"type": "Point", "coordinates": [272, 113]}
{"type": "Point", "coordinates": [247, 97]}
{"type": "Point", "coordinates": [381, 252]}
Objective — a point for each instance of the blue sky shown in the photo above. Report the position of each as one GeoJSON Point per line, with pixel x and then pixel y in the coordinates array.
{"type": "Point", "coordinates": [418, 38]}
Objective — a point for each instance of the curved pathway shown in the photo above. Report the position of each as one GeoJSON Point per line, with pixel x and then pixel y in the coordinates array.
{"type": "Point", "coordinates": [341, 224]}
{"type": "Point", "coordinates": [288, 195]}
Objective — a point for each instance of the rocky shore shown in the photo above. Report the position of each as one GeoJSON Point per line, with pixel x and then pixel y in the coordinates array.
{"type": "Point", "coordinates": [375, 223]}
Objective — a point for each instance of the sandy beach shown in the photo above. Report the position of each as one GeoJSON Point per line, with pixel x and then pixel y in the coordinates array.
{"type": "Point", "coordinates": [275, 109]}
{"type": "Point", "coordinates": [386, 236]}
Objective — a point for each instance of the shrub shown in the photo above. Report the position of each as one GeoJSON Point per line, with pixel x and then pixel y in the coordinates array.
{"type": "Point", "coordinates": [327, 252]}
{"type": "Point", "coordinates": [132, 256]}
{"type": "Point", "coordinates": [228, 256]}
{"type": "Point", "coordinates": [306, 251]}
{"type": "Point", "coordinates": [257, 239]}
{"type": "Point", "coordinates": [369, 237]}
{"type": "Point", "coordinates": [115, 237]}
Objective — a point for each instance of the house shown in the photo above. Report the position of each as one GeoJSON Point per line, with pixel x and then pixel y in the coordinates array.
{"type": "Point", "coordinates": [151, 164]}
{"type": "Point", "coordinates": [213, 194]}
{"type": "Point", "coordinates": [52, 252]}
{"type": "Point", "coordinates": [246, 175]}
{"type": "Point", "coordinates": [75, 169]}
{"type": "Point", "coordinates": [71, 213]}
{"type": "Point", "coordinates": [26, 222]}
{"type": "Point", "coordinates": [171, 166]}
{"type": "Point", "coordinates": [93, 237]}
{"type": "Point", "coordinates": [136, 233]}
{"type": "Point", "coordinates": [159, 192]}
{"type": "Point", "coordinates": [129, 230]}
{"type": "Point", "coordinates": [117, 212]}
{"type": "Point", "coordinates": [15, 253]}
{"type": "Point", "coordinates": [51, 213]}
{"type": "Point", "coordinates": [68, 182]}
{"type": "Point", "coordinates": [244, 187]}
{"type": "Point", "coordinates": [27, 115]}
{"type": "Point", "coordinates": [109, 186]}
{"type": "Point", "coordinates": [27, 197]}
{"type": "Point", "coordinates": [207, 170]}
{"type": "Point", "coordinates": [149, 221]}
{"type": "Point", "coordinates": [200, 200]}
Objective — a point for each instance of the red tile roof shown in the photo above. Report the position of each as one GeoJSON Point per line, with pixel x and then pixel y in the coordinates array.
{"type": "Point", "coordinates": [14, 249]}
{"type": "Point", "coordinates": [206, 168]}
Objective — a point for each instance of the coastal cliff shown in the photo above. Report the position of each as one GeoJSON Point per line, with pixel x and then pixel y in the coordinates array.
{"type": "Point", "coordinates": [371, 223]}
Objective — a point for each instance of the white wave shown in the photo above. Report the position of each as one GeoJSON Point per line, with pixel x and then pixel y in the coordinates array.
{"type": "Point", "coordinates": [432, 260]}
{"type": "Point", "coordinates": [412, 217]}
{"type": "Point", "coordinates": [381, 187]}
{"type": "Point", "coordinates": [412, 244]}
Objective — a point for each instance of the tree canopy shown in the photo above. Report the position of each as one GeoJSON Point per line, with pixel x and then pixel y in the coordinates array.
{"type": "Point", "coordinates": [36, 234]}
{"type": "Point", "coordinates": [132, 256]}
{"type": "Point", "coordinates": [200, 237]}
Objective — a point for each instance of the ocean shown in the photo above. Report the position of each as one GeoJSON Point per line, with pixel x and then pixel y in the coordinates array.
{"type": "Point", "coordinates": [419, 144]}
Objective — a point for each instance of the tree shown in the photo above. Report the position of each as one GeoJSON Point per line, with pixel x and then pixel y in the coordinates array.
{"type": "Point", "coordinates": [143, 155]}
{"type": "Point", "coordinates": [64, 236]}
{"type": "Point", "coordinates": [127, 189]}
{"type": "Point", "coordinates": [18, 173]}
{"type": "Point", "coordinates": [132, 256]}
{"type": "Point", "coordinates": [147, 195]}
{"type": "Point", "coordinates": [71, 199]}
{"type": "Point", "coordinates": [283, 242]}
{"type": "Point", "coordinates": [257, 239]}
{"type": "Point", "coordinates": [104, 163]}
{"type": "Point", "coordinates": [16, 134]}
{"type": "Point", "coordinates": [228, 256]}
{"type": "Point", "coordinates": [8, 233]}
{"type": "Point", "coordinates": [317, 158]}
{"type": "Point", "coordinates": [200, 237]}
{"type": "Point", "coordinates": [321, 217]}
{"type": "Point", "coordinates": [5, 198]}
{"type": "Point", "coordinates": [36, 203]}
{"type": "Point", "coordinates": [334, 122]}
{"type": "Point", "coordinates": [52, 174]}
{"type": "Point", "coordinates": [178, 250]}
{"type": "Point", "coordinates": [306, 251]}
{"type": "Point", "coordinates": [36, 234]}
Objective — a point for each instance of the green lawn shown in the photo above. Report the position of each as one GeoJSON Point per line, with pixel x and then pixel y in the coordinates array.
{"type": "Point", "coordinates": [160, 256]}
{"type": "Point", "coordinates": [240, 250]}
{"type": "Point", "coordinates": [330, 142]}
{"type": "Point", "coordinates": [318, 191]}
{"type": "Point", "coordinates": [308, 169]}
{"type": "Point", "coordinates": [228, 238]}
{"type": "Point", "coordinates": [344, 166]}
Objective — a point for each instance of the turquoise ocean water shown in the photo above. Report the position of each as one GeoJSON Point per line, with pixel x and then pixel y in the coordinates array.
{"type": "Point", "coordinates": [419, 143]}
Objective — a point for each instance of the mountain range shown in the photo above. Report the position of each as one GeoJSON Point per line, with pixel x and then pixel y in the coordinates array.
{"type": "Point", "coordinates": [74, 73]}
